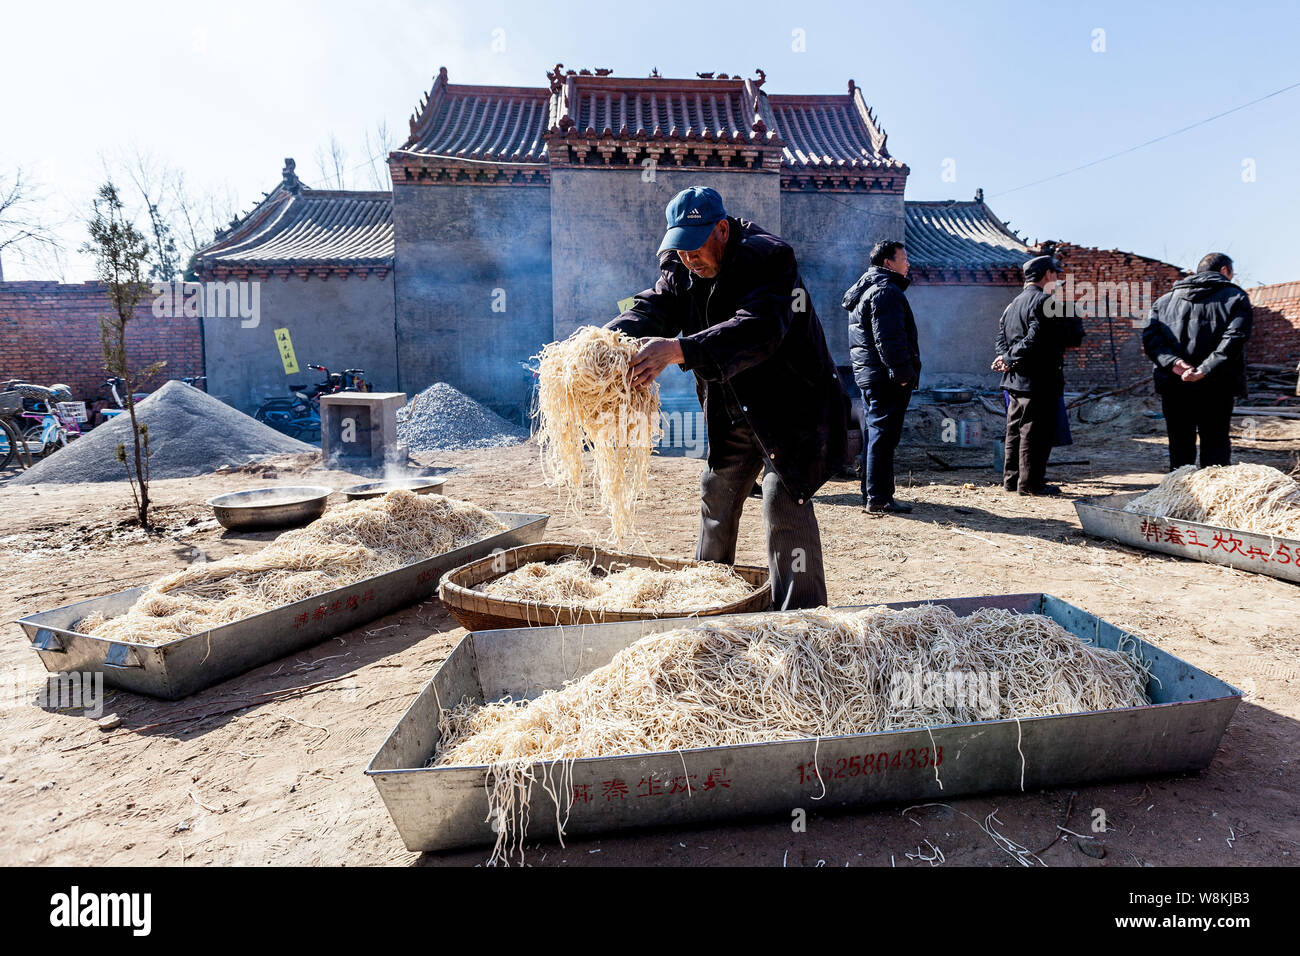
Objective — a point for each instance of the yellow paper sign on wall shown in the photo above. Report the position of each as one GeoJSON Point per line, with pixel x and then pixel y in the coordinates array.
{"type": "Point", "coordinates": [625, 304]}
{"type": "Point", "coordinates": [285, 345]}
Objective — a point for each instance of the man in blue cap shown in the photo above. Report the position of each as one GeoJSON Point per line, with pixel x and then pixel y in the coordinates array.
{"type": "Point", "coordinates": [730, 306]}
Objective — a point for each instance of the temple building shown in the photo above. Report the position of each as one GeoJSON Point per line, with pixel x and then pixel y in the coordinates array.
{"type": "Point", "coordinates": [518, 214]}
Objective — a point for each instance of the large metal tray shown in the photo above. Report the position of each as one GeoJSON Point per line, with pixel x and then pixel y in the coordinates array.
{"type": "Point", "coordinates": [446, 807]}
{"type": "Point", "coordinates": [189, 664]}
{"type": "Point", "coordinates": [1243, 550]}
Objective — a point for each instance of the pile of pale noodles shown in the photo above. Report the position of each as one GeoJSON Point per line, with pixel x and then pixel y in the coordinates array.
{"type": "Point", "coordinates": [585, 400]}
{"type": "Point", "coordinates": [787, 676]}
{"type": "Point", "coordinates": [353, 541]}
{"type": "Point", "coordinates": [573, 583]}
{"type": "Point", "coordinates": [1252, 498]}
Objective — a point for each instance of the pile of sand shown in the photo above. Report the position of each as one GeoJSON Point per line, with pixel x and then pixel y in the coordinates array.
{"type": "Point", "coordinates": [442, 418]}
{"type": "Point", "coordinates": [190, 432]}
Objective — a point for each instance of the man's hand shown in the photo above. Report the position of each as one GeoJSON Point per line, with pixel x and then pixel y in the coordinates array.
{"type": "Point", "coordinates": [1192, 374]}
{"type": "Point", "coordinates": [1181, 368]}
{"type": "Point", "coordinates": [655, 356]}
{"type": "Point", "coordinates": [1000, 364]}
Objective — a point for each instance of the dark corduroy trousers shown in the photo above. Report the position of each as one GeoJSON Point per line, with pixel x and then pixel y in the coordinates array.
{"type": "Point", "coordinates": [1031, 431]}
{"type": "Point", "coordinates": [794, 544]}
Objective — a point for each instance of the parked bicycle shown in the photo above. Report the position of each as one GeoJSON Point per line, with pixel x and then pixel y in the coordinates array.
{"type": "Point", "coordinates": [299, 416]}
{"type": "Point", "coordinates": [116, 387]}
{"type": "Point", "coordinates": [11, 440]}
{"type": "Point", "coordinates": [49, 418]}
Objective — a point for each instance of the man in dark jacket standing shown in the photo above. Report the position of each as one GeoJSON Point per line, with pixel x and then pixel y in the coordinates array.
{"type": "Point", "coordinates": [1033, 334]}
{"type": "Point", "coordinates": [730, 306]}
{"type": "Point", "coordinates": [1196, 337]}
{"type": "Point", "coordinates": [886, 365]}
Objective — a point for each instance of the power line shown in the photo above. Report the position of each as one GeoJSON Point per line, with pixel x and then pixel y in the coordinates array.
{"type": "Point", "coordinates": [1149, 142]}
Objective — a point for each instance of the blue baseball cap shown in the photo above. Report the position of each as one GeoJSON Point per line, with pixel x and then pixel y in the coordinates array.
{"type": "Point", "coordinates": [691, 216]}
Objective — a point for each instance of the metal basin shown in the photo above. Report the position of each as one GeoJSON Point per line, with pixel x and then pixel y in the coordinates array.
{"type": "Point", "coordinates": [280, 507]}
{"type": "Point", "coordinates": [373, 489]}
{"type": "Point", "coordinates": [954, 395]}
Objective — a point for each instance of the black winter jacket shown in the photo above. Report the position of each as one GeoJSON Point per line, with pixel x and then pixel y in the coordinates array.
{"type": "Point", "coordinates": [751, 332]}
{"type": "Point", "coordinates": [882, 331]}
{"type": "Point", "coordinates": [1204, 320]}
{"type": "Point", "coordinates": [1033, 334]}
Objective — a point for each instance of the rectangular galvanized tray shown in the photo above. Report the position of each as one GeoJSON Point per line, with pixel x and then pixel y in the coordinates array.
{"type": "Point", "coordinates": [1243, 550]}
{"type": "Point", "coordinates": [446, 807]}
{"type": "Point", "coordinates": [189, 664]}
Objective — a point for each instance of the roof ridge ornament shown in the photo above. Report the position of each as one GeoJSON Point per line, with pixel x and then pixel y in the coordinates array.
{"type": "Point", "coordinates": [556, 77]}
{"type": "Point", "coordinates": [762, 77]}
{"type": "Point", "coordinates": [289, 179]}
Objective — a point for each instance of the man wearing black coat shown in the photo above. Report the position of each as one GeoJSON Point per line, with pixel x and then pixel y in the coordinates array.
{"type": "Point", "coordinates": [886, 364]}
{"type": "Point", "coordinates": [1033, 334]}
{"type": "Point", "coordinates": [1196, 337]}
{"type": "Point", "coordinates": [730, 306]}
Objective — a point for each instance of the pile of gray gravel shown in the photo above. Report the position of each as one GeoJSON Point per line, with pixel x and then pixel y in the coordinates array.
{"type": "Point", "coordinates": [442, 418]}
{"type": "Point", "coordinates": [190, 432]}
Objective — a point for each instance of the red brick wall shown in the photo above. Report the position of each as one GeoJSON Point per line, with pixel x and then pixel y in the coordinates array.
{"type": "Point", "coordinates": [49, 332]}
{"type": "Point", "coordinates": [1275, 339]}
{"type": "Point", "coordinates": [1111, 353]}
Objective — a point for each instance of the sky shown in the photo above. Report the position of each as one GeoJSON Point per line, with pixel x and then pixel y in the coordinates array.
{"type": "Point", "coordinates": [979, 94]}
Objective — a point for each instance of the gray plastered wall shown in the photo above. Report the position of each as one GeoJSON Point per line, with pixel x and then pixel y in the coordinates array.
{"type": "Point", "coordinates": [956, 326]}
{"type": "Point", "coordinates": [335, 322]}
{"type": "Point", "coordinates": [606, 226]}
{"type": "Point", "coordinates": [473, 288]}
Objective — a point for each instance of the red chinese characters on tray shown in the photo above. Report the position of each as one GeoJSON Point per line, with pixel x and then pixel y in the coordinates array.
{"type": "Point", "coordinates": [609, 791]}
{"type": "Point", "coordinates": [1161, 532]}
{"type": "Point", "coordinates": [328, 609]}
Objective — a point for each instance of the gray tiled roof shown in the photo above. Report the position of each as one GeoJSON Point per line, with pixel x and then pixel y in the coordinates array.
{"type": "Point", "coordinates": [667, 112]}
{"type": "Point", "coordinates": [829, 132]}
{"type": "Point", "coordinates": [960, 235]}
{"type": "Point", "coordinates": [510, 124]}
{"type": "Point", "coordinates": [309, 227]}
{"type": "Point", "coordinates": [487, 123]}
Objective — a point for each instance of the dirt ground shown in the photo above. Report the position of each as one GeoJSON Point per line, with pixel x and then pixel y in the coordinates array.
{"type": "Point", "coordinates": [279, 780]}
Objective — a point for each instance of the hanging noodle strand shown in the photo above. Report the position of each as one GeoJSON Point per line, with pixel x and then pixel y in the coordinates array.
{"type": "Point", "coordinates": [585, 400]}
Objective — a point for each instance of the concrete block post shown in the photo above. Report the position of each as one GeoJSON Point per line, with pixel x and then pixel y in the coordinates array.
{"type": "Point", "coordinates": [358, 430]}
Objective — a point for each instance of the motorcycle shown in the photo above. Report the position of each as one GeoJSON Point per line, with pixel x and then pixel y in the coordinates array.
{"type": "Point", "coordinates": [299, 416]}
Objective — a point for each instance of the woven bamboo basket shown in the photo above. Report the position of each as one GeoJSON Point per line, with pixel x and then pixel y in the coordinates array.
{"type": "Point", "coordinates": [477, 611]}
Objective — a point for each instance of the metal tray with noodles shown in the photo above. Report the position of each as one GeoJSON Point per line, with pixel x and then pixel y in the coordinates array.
{"type": "Point", "coordinates": [189, 664]}
{"type": "Point", "coordinates": [446, 807]}
{"type": "Point", "coordinates": [1244, 550]}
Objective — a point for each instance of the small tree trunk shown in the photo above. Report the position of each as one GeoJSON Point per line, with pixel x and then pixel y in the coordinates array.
{"type": "Point", "coordinates": [142, 502]}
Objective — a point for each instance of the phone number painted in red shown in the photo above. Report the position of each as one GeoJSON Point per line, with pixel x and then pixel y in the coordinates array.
{"type": "Point", "coordinates": [846, 767]}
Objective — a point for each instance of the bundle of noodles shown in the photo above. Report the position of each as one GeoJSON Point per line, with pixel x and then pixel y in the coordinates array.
{"type": "Point", "coordinates": [781, 677]}
{"type": "Point", "coordinates": [586, 400]}
{"type": "Point", "coordinates": [354, 541]}
{"type": "Point", "coordinates": [576, 583]}
{"type": "Point", "coordinates": [1252, 498]}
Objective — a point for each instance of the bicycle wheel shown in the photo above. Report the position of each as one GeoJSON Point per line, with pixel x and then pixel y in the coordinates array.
{"type": "Point", "coordinates": [36, 447]}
